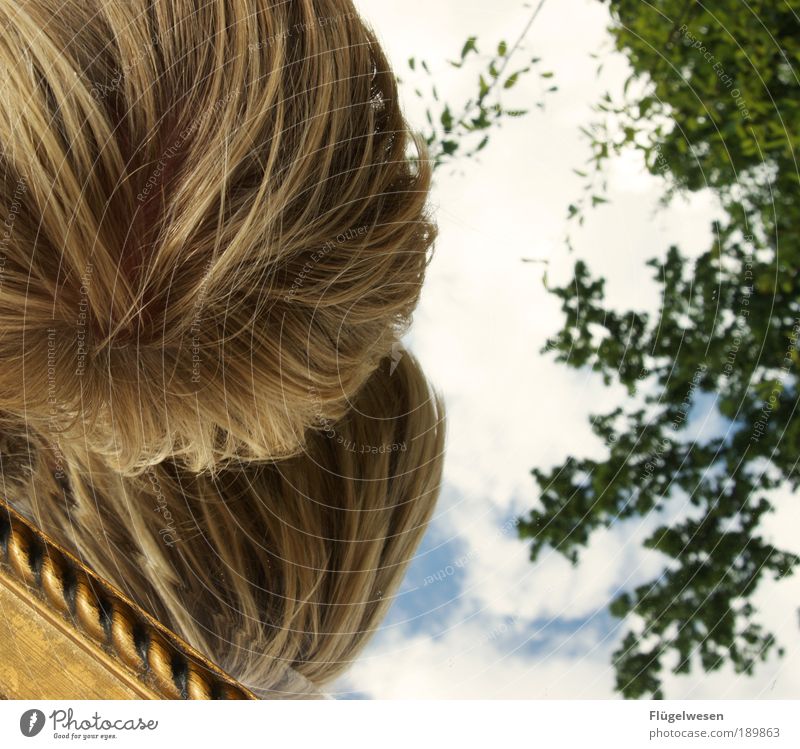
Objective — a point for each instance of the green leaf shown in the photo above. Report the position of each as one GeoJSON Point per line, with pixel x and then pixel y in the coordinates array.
{"type": "Point", "coordinates": [469, 46]}
{"type": "Point", "coordinates": [483, 88]}
{"type": "Point", "coordinates": [482, 121]}
{"type": "Point", "coordinates": [447, 119]}
{"type": "Point", "coordinates": [449, 147]}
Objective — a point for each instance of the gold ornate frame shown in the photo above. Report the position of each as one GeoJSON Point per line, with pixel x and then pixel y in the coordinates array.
{"type": "Point", "coordinates": [65, 633]}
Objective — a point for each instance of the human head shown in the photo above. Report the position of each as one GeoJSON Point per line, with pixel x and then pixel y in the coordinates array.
{"type": "Point", "coordinates": [216, 231]}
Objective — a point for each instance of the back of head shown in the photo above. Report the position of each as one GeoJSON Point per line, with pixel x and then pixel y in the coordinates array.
{"type": "Point", "coordinates": [279, 571]}
{"type": "Point", "coordinates": [214, 230]}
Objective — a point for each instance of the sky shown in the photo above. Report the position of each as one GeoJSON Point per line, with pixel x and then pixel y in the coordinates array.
{"type": "Point", "coordinates": [474, 618]}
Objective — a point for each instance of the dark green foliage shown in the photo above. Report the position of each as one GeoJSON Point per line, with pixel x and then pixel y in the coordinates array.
{"type": "Point", "coordinates": [712, 102]}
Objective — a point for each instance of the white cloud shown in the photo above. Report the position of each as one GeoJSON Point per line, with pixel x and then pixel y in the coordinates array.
{"type": "Point", "coordinates": [467, 663]}
{"type": "Point", "coordinates": [483, 318]}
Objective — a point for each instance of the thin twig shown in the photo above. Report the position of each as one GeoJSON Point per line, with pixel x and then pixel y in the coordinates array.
{"type": "Point", "coordinates": [515, 47]}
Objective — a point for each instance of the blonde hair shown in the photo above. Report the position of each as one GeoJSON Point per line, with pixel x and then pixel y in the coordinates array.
{"type": "Point", "coordinates": [216, 231]}
{"type": "Point", "coordinates": [216, 226]}
{"type": "Point", "coordinates": [274, 570]}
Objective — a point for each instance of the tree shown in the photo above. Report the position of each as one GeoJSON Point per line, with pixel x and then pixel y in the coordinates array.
{"type": "Point", "coordinates": [459, 133]}
{"type": "Point", "coordinates": [712, 101]}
